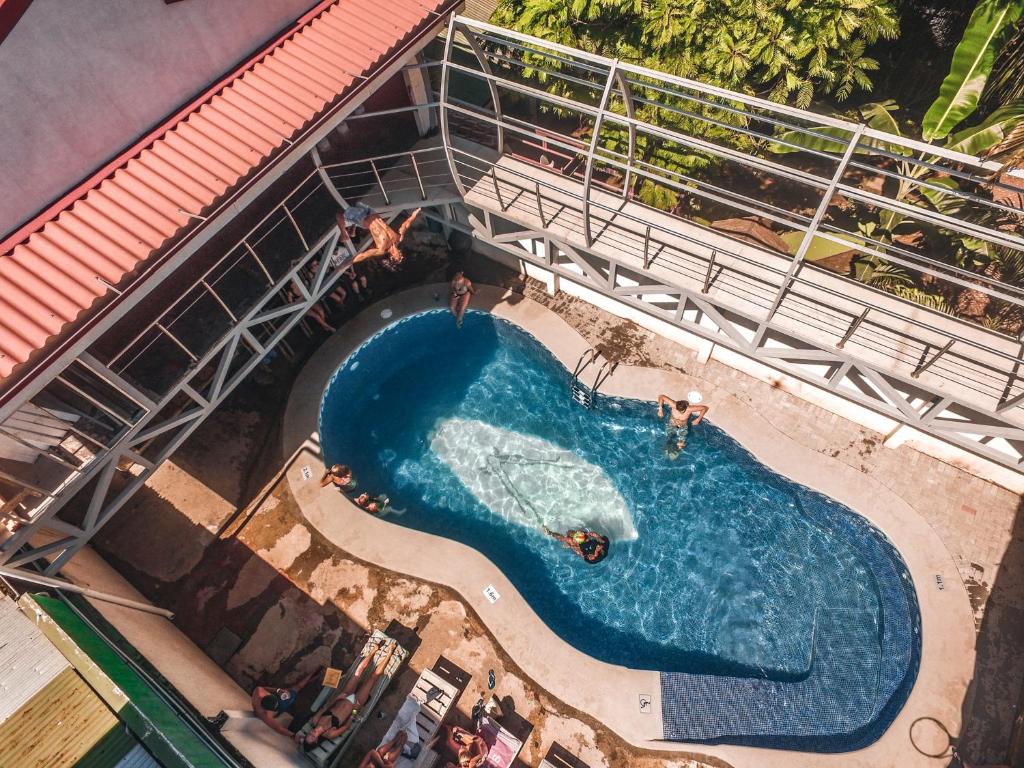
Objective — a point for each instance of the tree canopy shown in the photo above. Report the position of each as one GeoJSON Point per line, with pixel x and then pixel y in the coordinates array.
{"type": "Point", "coordinates": [786, 50]}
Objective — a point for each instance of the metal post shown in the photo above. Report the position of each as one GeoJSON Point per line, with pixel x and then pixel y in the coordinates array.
{"type": "Point", "coordinates": [707, 275]}
{"type": "Point", "coordinates": [853, 328]}
{"type": "Point", "coordinates": [325, 178]}
{"type": "Point", "coordinates": [808, 238]}
{"type": "Point", "coordinates": [172, 337]}
{"type": "Point", "coordinates": [446, 132]}
{"type": "Point", "coordinates": [929, 363]}
{"type": "Point", "coordinates": [219, 300]}
{"type": "Point", "coordinates": [647, 246]}
{"type": "Point", "coordinates": [302, 237]}
{"type": "Point", "coordinates": [384, 192]}
{"type": "Point", "coordinates": [259, 262]}
{"type": "Point", "coordinates": [485, 65]}
{"type": "Point", "coordinates": [589, 173]}
{"type": "Point", "coordinates": [67, 586]}
{"type": "Point", "coordinates": [627, 97]}
{"type": "Point", "coordinates": [419, 178]}
{"type": "Point", "coordinates": [497, 192]}
{"type": "Point", "coordinates": [540, 205]}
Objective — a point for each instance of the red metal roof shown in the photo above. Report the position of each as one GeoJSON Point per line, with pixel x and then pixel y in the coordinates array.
{"type": "Point", "coordinates": [58, 265]}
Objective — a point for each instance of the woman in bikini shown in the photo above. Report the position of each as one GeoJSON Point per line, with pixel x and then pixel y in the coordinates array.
{"type": "Point", "coordinates": [468, 748]}
{"type": "Point", "coordinates": [336, 717]}
{"type": "Point", "coordinates": [460, 292]}
{"type": "Point", "coordinates": [386, 755]}
{"type": "Point", "coordinates": [385, 239]}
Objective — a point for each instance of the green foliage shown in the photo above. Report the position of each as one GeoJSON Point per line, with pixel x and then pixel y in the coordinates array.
{"type": "Point", "coordinates": [787, 50]}
{"type": "Point", "coordinates": [990, 26]}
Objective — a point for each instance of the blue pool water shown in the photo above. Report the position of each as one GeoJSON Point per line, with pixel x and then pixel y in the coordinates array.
{"type": "Point", "coordinates": [746, 590]}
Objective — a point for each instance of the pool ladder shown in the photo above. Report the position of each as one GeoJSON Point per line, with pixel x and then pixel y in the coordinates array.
{"type": "Point", "coordinates": [579, 391]}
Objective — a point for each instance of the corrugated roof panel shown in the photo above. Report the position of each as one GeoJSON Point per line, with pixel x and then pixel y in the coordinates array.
{"type": "Point", "coordinates": [56, 727]}
{"type": "Point", "coordinates": [28, 661]}
{"type": "Point", "coordinates": [134, 212]}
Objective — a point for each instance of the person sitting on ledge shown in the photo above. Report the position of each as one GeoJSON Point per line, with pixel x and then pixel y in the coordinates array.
{"type": "Point", "coordinates": [386, 241]}
{"type": "Point", "coordinates": [341, 476]}
{"type": "Point", "coordinates": [460, 292]}
{"type": "Point", "coordinates": [375, 505]}
{"type": "Point", "coordinates": [591, 546]}
{"type": "Point", "coordinates": [268, 702]}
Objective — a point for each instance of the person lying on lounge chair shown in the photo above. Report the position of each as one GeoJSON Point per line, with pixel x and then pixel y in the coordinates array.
{"type": "Point", "coordinates": [268, 702]}
{"type": "Point", "coordinates": [468, 749]}
{"type": "Point", "coordinates": [591, 546]}
{"type": "Point", "coordinates": [386, 755]}
{"type": "Point", "coordinates": [336, 716]}
{"type": "Point", "coordinates": [386, 241]}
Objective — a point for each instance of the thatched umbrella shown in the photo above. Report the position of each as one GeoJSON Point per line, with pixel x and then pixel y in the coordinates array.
{"type": "Point", "coordinates": [752, 231]}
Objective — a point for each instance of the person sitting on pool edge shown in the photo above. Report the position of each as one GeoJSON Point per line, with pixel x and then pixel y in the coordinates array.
{"type": "Point", "coordinates": [592, 547]}
{"type": "Point", "coordinates": [375, 505]}
{"type": "Point", "coordinates": [678, 426]}
{"type": "Point", "coordinates": [460, 292]}
{"type": "Point", "coordinates": [341, 476]}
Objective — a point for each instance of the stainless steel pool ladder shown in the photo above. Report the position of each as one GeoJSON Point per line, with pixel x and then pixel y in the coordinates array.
{"type": "Point", "coordinates": [579, 391]}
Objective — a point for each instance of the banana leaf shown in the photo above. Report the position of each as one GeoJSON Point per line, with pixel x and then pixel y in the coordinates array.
{"type": "Point", "coordinates": [877, 115]}
{"type": "Point", "coordinates": [988, 28]}
{"type": "Point", "coordinates": [987, 134]}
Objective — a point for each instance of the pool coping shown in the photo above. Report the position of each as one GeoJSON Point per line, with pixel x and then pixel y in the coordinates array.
{"type": "Point", "coordinates": [947, 653]}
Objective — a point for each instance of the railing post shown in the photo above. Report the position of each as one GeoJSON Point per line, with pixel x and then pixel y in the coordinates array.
{"type": "Point", "coordinates": [707, 275]}
{"type": "Point", "coordinates": [929, 363]}
{"type": "Point", "coordinates": [497, 191]}
{"type": "Point", "coordinates": [540, 205]}
{"type": "Point", "coordinates": [854, 325]}
{"type": "Point", "coordinates": [419, 178]}
{"type": "Point", "coordinates": [446, 131]}
{"type": "Point", "coordinates": [589, 173]}
{"type": "Point", "coordinates": [808, 238]}
{"type": "Point", "coordinates": [259, 262]}
{"type": "Point", "coordinates": [627, 96]}
{"type": "Point", "coordinates": [295, 224]}
{"type": "Point", "coordinates": [647, 246]}
{"type": "Point", "coordinates": [376, 175]}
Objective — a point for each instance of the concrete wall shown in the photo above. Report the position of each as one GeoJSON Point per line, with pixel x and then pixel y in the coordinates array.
{"type": "Point", "coordinates": [82, 79]}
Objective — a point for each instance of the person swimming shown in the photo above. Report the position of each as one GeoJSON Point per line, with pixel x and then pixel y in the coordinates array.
{"type": "Point", "coordinates": [592, 547]}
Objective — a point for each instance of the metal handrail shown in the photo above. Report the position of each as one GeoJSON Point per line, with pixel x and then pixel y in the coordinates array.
{"type": "Point", "coordinates": [763, 266]}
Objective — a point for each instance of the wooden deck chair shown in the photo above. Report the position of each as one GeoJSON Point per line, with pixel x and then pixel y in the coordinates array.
{"type": "Point", "coordinates": [421, 716]}
{"type": "Point", "coordinates": [502, 747]}
{"type": "Point", "coordinates": [559, 757]}
{"type": "Point", "coordinates": [330, 752]}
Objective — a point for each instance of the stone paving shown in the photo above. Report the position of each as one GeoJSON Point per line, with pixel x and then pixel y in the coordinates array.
{"type": "Point", "coordinates": [271, 598]}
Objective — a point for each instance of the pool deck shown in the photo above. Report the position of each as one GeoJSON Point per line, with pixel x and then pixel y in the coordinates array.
{"type": "Point", "coordinates": [611, 693]}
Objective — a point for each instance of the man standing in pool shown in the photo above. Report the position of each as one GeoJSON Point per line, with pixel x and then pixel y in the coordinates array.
{"type": "Point", "coordinates": [678, 426]}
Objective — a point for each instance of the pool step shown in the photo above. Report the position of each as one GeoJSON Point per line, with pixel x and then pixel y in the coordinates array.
{"type": "Point", "coordinates": [581, 394]}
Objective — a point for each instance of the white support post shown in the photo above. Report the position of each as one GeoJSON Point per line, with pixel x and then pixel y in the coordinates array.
{"type": "Point", "coordinates": [808, 238]}
{"type": "Point", "coordinates": [446, 133]}
{"type": "Point", "coordinates": [589, 173]}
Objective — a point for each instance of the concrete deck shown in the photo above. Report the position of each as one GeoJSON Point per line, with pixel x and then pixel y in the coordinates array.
{"type": "Point", "coordinates": [948, 640]}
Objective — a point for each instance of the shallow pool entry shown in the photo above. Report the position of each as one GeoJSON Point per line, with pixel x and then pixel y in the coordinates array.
{"type": "Point", "coordinates": [777, 616]}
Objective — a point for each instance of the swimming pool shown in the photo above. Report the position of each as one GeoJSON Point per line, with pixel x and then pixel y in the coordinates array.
{"type": "Point", "coordinates": [775, 615]}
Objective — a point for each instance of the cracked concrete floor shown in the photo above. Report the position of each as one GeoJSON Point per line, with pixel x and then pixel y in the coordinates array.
{"type": "Point", "coordinates": [274, 600]}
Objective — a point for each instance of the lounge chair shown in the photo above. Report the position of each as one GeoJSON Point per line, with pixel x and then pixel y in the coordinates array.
{"type": "Point", "coordinates": [559, 757]}
{"type": "Point", "coordinates": [502, 747]}
{"type": "Point", "coordinates": [421, 716]}
{"type": "Point", "coordinates": [330, 752]}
